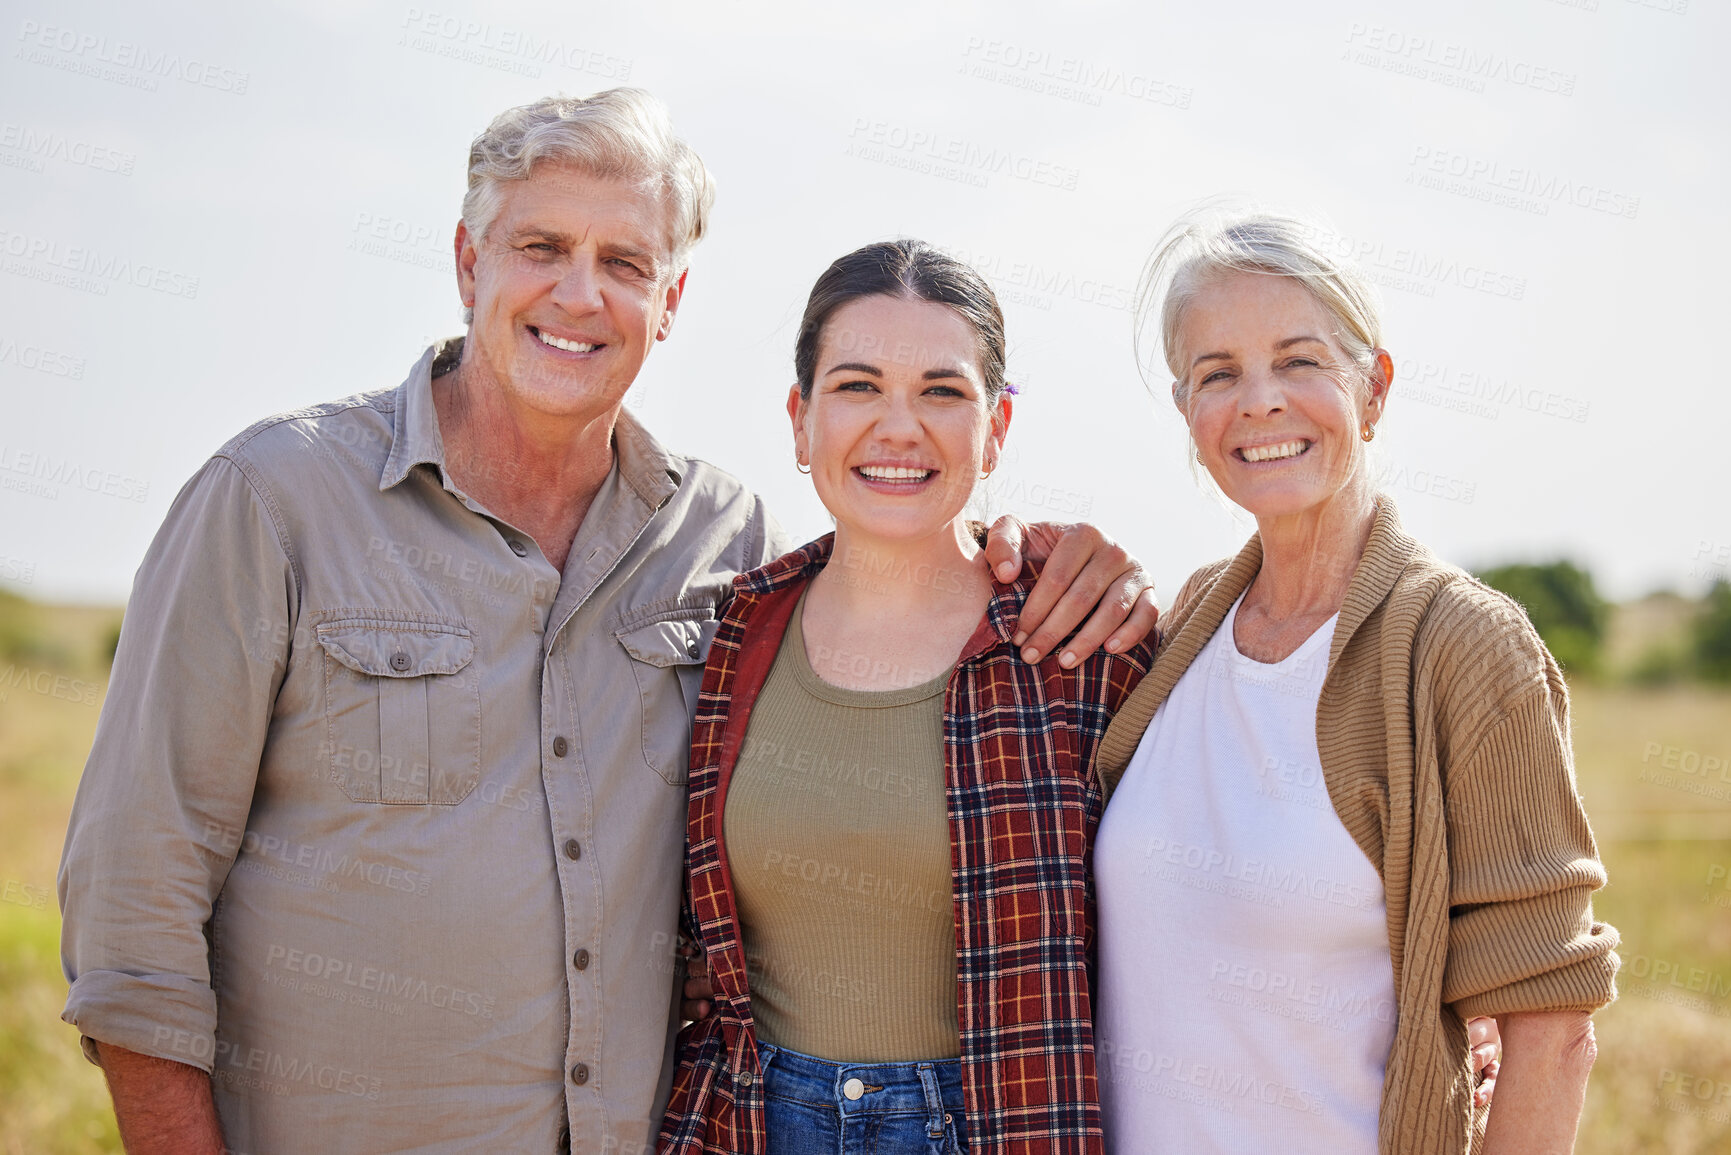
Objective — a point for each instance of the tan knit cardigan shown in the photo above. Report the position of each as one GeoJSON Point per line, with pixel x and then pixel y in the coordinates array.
{"type": "Point", "coordinates": [1443, 729]}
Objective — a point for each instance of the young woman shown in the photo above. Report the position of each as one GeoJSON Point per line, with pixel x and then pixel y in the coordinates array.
{"type": "Point", "coordinates": [891, 812]}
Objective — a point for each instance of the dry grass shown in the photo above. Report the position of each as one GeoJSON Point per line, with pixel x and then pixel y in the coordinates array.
{"type": "Point", "coordinates": [51, 1100]}
{"type": "Point", "coordinates": [1663, 1081]}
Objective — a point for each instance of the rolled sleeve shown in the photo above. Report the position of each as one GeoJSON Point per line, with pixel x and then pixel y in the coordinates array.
{"type": "Point", "coordinates": [163, 802]}
{"type": "Point", "coordinates": [1524, 866]}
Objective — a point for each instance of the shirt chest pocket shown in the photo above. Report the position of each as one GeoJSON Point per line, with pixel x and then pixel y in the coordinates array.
{"type": "Point", "coordinates": [667, 663]}
{"type": "Point", "coordinates": [402, 710]}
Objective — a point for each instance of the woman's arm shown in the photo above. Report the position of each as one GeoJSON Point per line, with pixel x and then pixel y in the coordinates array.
{"type": "Point", "coordinates": [1523, 866]}
{"type": "Point", "coordinates": [1547, 1056]}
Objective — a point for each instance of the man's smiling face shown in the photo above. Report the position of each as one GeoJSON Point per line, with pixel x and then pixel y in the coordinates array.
{"type": "Point", "coordinates": [572, 284]}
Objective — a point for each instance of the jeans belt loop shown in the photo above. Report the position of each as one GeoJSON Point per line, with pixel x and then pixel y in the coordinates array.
{"type": "Point", "coordinates": [934, 1102]}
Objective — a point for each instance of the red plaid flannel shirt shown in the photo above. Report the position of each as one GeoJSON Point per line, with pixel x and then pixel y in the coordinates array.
{"type": "Point", "coordinates": [1023, 802]}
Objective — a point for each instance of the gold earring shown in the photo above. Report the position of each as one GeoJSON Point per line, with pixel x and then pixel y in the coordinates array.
{"type": "Point", "coordinates": [1369, 432]}
{"type": "Point", "coordinates": [799, 463]}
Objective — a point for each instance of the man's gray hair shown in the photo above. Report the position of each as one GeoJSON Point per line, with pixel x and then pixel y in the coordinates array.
{"type": "Point", "coordinates": [620, 134]}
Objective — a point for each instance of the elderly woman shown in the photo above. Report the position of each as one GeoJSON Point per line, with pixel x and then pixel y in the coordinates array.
{"type": "Point", "coordinates": [891, 812]}
{"type": "Point", "coordinates": [1344, 818]}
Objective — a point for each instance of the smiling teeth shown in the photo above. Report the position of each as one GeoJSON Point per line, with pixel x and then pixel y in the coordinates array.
{"type": "Point", "coordinates": [562, 343]}
{"type": "Point", "coordinates": [894, 473]}
{"type": "Point", "coordinates": [1274, 452]}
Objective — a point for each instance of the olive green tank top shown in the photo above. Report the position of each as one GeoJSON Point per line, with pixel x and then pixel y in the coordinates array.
{"type": "Point", "coordinates": [838, 840]}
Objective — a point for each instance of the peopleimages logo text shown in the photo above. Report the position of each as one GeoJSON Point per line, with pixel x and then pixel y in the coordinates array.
{"type": "Point", "coordinates": [164, 64]}
{"type": "Point", "coordinates": [46, 467]}
{"type": "Point", "coordinates": [103, 267]}
{"type": "Point", "coordinates": [46, 144]}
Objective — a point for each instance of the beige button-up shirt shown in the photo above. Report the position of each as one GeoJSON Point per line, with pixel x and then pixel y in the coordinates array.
{"type": "Point", "coordinates": [384, 820]}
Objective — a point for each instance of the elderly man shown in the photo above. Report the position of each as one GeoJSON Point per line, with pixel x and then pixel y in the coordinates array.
{"type": "Point", "coordinates": [379, 844]}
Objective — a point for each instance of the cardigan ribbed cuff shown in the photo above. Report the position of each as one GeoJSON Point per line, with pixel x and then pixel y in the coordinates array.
{"type": "Point", "coordinates": [1584, 986]}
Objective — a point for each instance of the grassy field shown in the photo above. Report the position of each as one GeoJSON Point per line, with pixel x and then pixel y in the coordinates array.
{"type": "Point", "coordinates": [1655, 768]}
{"type": "Point", "coordinates": [51, 1100]}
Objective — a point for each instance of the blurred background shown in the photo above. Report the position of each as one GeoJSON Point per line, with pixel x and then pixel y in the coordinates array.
{"type": "Point", "coordinates": [215, 213]}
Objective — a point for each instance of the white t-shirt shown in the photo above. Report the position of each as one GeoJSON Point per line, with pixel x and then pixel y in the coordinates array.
{"type": "Point", "coordinates": [1246, 997]}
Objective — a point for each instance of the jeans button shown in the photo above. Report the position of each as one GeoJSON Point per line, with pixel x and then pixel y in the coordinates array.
{"type": "Point", "coordinates": [853, 1089]}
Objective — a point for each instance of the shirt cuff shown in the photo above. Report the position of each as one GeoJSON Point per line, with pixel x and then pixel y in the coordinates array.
{"type": "Point", "coordinates": [163, 1016]}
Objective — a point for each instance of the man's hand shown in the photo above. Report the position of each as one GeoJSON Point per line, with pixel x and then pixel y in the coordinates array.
{"type": "Point", "coordinates": [1487, 1047]}
{"type": "Point", "coordinates": [162, 1107]}
{"type": "Point", "coordinates": [1085, 571]}
{"type": "Point", "coordinates": [699, 991]}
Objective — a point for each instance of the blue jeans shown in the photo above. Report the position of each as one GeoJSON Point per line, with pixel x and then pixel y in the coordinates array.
{"type": "Point", "coordinates": [816, 1107]}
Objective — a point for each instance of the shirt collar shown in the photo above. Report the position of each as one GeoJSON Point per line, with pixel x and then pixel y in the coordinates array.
{"type": "Point", "coordinates": [415, 438]}
{"type": "Point", "coordinates": [645, 467]}
{"type": "Point", "coordinates": [652, 473]}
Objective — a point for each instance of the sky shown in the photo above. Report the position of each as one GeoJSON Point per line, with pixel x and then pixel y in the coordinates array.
{"type": "Point", "coordinates": [212, 213]}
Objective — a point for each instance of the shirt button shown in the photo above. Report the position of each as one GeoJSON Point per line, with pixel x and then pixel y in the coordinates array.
{"type": "Point", "coordinates": [853, 1089]}
{"type": "Point", "coordinates": [572, 850]}
{"type": "Point", "coordinates": [746, 1079]}
{"type": "Point", "coordinates": [399, 662]}
{"type": "Point", "coordinates": [580, 1074]}
{"type": "Point", "coordinates": [580, 960]}
{"type": "Point", "coordinates": [560, 746]}
{"type": "Point", "coordinates": [519, 548]}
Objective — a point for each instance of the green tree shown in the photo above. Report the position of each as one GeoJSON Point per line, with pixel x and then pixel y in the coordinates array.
{"type": "Point", "coordinates": [1712, 634]}
{"type": "Point", "coordinates": [1563, 606]}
